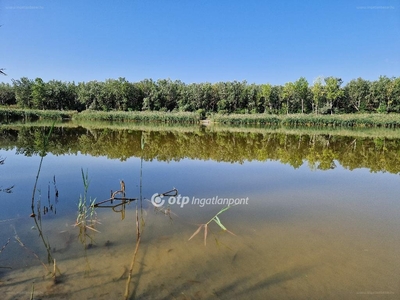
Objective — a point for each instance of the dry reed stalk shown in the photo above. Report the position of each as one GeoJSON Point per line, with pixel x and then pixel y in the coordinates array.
{"type": "Point", "coordinates": [216, 220]}
{"type": "Point", "coordinates": [33, 253]}
{"type": "Point", "coordinates": [128, 281]}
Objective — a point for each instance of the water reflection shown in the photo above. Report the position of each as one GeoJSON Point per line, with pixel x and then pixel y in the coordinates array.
{"type": "Point", "coordinates": [318, 150]}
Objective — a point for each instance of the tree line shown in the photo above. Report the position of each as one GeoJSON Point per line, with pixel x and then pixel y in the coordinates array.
{"type": "Point", "coordinates": [326, 95]}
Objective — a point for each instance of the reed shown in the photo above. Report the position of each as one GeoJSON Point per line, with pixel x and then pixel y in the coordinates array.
{"type": "Point", "coordinates": [143, 116]}
{"type": "Point", "coordinates": [36, 215]}
{"type": "Point", "coordinates": [32, 291]}
{"type": "Point", "coordinates": [205, 225]}
{"type": "Point", "coordinates": [87, 217]}
{"type": "Point", "coordinates": [8, 114]}
{"type": "Point", "coordinates": [310, 120]}
{"type": "Point", "coordinates": [345, 120]}
{"type": "Point", "coordinates": [139, 225]}
{"type": "Point", "coordinates": [17, 238]}
{"type": "Point", "coordinates": [259, 119]}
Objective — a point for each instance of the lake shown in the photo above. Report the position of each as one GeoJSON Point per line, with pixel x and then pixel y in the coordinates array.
{"type": "Point", "coordinates": [317, 214]}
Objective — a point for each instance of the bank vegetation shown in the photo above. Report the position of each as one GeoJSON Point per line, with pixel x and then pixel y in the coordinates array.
{"type": "Point", "coordinates": [358, 103]}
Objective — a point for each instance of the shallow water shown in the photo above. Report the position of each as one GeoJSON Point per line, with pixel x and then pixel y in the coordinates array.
{"type": "Point", "coordinates": [305, 233]}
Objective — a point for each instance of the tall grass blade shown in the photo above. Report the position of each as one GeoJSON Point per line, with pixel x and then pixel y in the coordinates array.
{"type": "Point", "coordinates": [205, 235]}
{"type": "Point", "coordinates": [224, 209]}
{"type": "Point", "coordinates": [217, 220]}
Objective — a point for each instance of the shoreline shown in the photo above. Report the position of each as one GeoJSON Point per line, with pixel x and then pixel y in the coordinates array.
{"type": "Point", "coordinates": [359, 120]}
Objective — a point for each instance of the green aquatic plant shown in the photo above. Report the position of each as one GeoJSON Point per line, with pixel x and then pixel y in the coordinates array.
{"type": "Point", "coordinates": [87, 218]}
{"type": "Point", "coordinates": [36, 215]}
{"type": "Point", "coordinates": [205, 225]}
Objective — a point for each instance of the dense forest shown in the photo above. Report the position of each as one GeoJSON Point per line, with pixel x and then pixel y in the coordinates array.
{"type": "Point", "coordinates": [327, 95]}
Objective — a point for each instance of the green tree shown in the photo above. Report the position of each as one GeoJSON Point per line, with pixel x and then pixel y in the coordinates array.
{"type": "Point", "coordinates": [196, 96]}
{"type": "Point", "coordinates": [135, 97]}
{"type": "Point", "coordinates": [61, 95]}
{"type": "Point", "coordinates": [7, 94]}
{"type": "Point", "coordinates": [380, 95]}
{"type": "Point", "coordinates": [38, 94]}
{"type": "Point", "coordinates": [69, 91]}
{"type": "Point", "coordinates": [224, 97]}
{"type": "Point", "coordinates": [89, 94]}
{"type": "Point", "coordinates": [302, 92]}
{"type": "Point", "coordinates": [187, 97]}
{"type": "Point", "coordinates": [54, 95]}
{"type": "Point", "coordinates": [395, 95]}
{"type": "Point", "coordinates": [23, 92]}
{"type": "Point", "coordinates": [289, 96]}
{"type": "Point", "coordinates": [276, 98]}
{"type": "Point", "coordinates": [232, 96]}
{"type": "Point", "coordinates": [83, 95]}
{"type": "Point", "coordinates": [242, 98]}
{"type": "Point", "coordinates": [168, 94]}
{"type": "Point", "coordinates": [252, 94]}
{"type": "Point", "coordinates": [266, 90]}
{"type": "Point", "coordinates": [391, 93]}
{"type": "Point", "coordinates": [357, 92]}
{"type": "Point", "coordinates": [318, 93]}
{"type": "Point", "coordinates": [108, 95]}
{"type": "Point", "coordinates": [150, 94]}
{"type": "Point", "coordinates": [333, 91]}
{"type": "Point", "coordinates": [208, 97]}
{"type": "Point", "coordinates": [127, 95]}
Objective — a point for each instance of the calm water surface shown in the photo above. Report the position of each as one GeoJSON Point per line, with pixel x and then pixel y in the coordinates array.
{"type": "Point", "coordinates": [321, 220]}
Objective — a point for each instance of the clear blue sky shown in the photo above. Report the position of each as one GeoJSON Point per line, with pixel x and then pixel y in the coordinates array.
{"type": "Point", "coordinates": [260, 41]}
